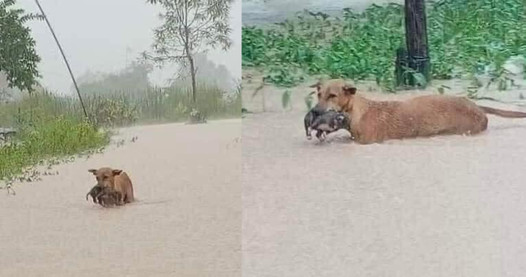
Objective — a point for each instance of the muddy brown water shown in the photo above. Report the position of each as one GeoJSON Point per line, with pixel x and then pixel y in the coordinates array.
{"type": "Point", "coordinates": [442, 206]}
{"type": "Point", "coordinates": [186, 222]}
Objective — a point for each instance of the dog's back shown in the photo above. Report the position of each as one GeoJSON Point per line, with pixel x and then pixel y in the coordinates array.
{"type": "Point", "coordinates": [124, 185]}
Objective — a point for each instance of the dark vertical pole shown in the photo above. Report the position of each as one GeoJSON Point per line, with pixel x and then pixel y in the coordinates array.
{"type": "Point", "coordinates": [416, 38]}
{"type": "Point", "coordinates": [64, 57]}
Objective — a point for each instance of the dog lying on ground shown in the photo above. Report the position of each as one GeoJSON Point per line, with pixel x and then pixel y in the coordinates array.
{"type": "Point", "coordinates": [325, 123]}
{"type": "Point", "coordinates": [422, 116]}
{"type": "Point", "coordinates": [117, 180]}
{"type": "Point", "coordinates": [105, 196]}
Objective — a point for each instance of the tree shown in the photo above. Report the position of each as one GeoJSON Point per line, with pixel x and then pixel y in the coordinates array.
{"type": "Point", "coordinates": [207, 72]}
{"type": "Point", "coordinates": [190, 27]}
{"type": "Point", "coordinates": [18, 57]}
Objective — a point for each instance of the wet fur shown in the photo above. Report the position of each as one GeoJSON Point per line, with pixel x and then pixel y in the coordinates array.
{"type": "Point", "coordinates": [308, 120]}
{"type": "Point", "coordinates": [109, 197]}
{"type": "Point", "coordinates": [329, 122]}
{"type": "Point", "coordinates": [116, 179]}
{"type": "Point", "coordinates": [422, 116]}
{"type": "Point", "coordinates": [105, 196]}
{"type": "Point", "coordinates": [94, 192]}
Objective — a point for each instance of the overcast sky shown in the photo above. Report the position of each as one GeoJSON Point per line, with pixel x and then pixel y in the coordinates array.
{"type": "Point", "coordinates": [102, 35]}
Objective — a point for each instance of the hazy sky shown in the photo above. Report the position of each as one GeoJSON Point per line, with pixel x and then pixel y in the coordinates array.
{"type": "Point", "coordinates": [101, 35]}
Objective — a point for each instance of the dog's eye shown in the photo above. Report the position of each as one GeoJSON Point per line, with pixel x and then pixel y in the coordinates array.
{"type": "Point", "coordinates": [105, 177]}
{"type": "Point", "coordinates": [319, 94]}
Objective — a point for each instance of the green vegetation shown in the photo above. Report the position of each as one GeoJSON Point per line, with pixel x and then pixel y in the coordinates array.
{"type": "Point", "coordinates": [117, 109]}
{"type": "Point", "coordinates": [41, 137]}
{"type": "Point", "coordinates": [465, 37]}
{"type": "Point", "coordinates": [18, 58]}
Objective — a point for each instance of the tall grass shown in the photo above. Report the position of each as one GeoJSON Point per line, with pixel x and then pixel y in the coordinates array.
{"type": "Point", "coordinates": [117, 108]}
{"type": "Point", "coordinates": [465, 37]}
{"type": "Point", "coordinates": [175, 104]}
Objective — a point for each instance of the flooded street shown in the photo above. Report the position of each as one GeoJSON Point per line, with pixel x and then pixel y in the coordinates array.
{"type": "Point", "coordinates": [258, 12]}
{"type": "Point", "coordinates": [442, 206]}
{"type": "Point", "coordinates": [186, 222]}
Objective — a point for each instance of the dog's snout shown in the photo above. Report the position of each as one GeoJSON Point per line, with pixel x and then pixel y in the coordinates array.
{"type": "Point", "coordinates": [318, 109]}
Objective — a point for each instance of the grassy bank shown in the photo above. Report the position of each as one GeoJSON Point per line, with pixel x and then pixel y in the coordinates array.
{"type": "Point", "coordinates": [43, 137]}
{"type": "Point", "coordinates": [51, 126]}
{"type": "Point", "coordinates": [465, 37]}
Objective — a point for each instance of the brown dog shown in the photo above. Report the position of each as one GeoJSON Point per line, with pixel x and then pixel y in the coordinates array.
{"type": "Point", "coordinates": [116, 179]}
{"type": "Point", "coordinates": [422, 116]}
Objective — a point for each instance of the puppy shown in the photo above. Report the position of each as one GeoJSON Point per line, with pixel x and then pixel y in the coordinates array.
{"type": "Point", "coordinates": [328, 122]}
{"type": "Point", "coordinates": [104, 196]}
{"type": "Point", "coordinates": [310, 117]}
{"type": "Point", "coordinates": [94, 193]}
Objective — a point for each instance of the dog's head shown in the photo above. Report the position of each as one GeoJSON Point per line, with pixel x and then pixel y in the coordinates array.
{"type": "Point", "coordinates": [105, 176]}
{"type": "Point", "coordinates": [334, 94]}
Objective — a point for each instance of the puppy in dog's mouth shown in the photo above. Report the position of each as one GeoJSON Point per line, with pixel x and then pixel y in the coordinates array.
{"type": "Point", "coordinates": [325, 123]}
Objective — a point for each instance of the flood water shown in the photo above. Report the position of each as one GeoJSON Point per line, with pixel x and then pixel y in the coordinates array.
{"type": "Point", "coordinates": [257, 12]}
{"type": "Point", "coordinates": [186, 222]}
{"type": "Point", "coordinates": [442, 206]}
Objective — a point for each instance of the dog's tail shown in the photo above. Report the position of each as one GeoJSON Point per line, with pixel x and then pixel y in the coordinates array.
{"type": "Point", "coordinates": [503, 113]}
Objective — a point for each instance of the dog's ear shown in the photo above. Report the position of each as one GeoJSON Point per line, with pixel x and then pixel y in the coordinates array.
{"type": "Point", "coordinates": [93, 171]}
{"type": "Point", "coordinates": [349, 89]}
{"type": "Point", "coordinates": [317, 85]}
{"type": "Point", "coordinates": [116, 172]}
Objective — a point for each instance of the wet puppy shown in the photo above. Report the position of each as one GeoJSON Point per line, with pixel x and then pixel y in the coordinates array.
{"type": "Point", "coordinates": [94, 193]}
{"type": "Point", "coordinates": [109, 197]}
{"type": "Point", "coordinates": [105, 196]}
{"type": "Point", "coordinates": [309, 119]}
{"type": "Point", "coordinates": [328, 122]}
{"type": "Point", "coordinates": [325, 122]}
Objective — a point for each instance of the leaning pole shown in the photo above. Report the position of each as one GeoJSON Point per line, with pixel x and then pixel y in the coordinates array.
{"type": "Point", "coordinates": [64, 57]}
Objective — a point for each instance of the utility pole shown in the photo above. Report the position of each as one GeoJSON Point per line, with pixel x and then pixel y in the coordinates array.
{"type": "Point", "coordinates": [64, 57]}
{"type": "Point", "coordinates": [416, 40]}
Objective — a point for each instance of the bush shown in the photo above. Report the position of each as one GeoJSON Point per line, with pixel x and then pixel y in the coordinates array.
{"type": "Point", "coordinates": [47, 138]}
{"type": "Point", "coordinates": [112, 111]}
